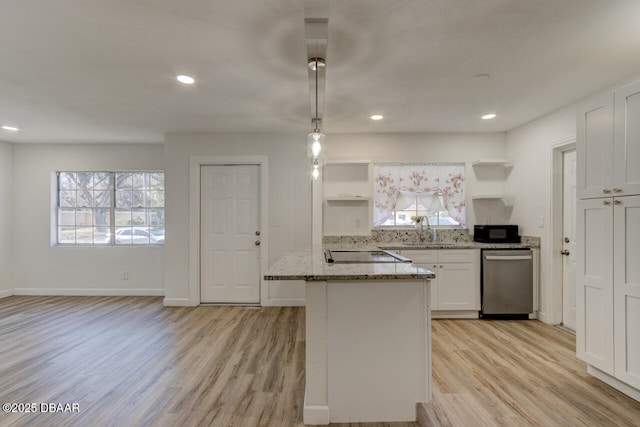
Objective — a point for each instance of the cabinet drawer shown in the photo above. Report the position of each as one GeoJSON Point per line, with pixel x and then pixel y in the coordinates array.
{"type": "Point", "coordinates": [458, 255]}
{"type": "Point", "coordinates": [421, 255]}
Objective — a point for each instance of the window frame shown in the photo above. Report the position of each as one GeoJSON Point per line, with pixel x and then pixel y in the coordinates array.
{"type": "Point", "coordinates": [111, 206]}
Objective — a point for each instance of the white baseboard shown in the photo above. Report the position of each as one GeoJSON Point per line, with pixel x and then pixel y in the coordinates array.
{"type": "Point", "coordinates": [632, 392]}
{"type": "Point", "coordinates": [315, 414]}
{"type": "Point", "coordinates": [454, 314]}
{"type": "Point", "coordinates": [178, 302]}
{"type": "Point", "coordinates": [6, 293]}
{"type": "Point", "coordinates": [285, 303]}
{"type": "Point", "coordinates": [88, 292]}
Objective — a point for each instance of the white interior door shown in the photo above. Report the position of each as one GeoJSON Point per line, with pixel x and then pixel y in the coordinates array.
{"type": "Point", "coordinates": [229, 234]}
{"type": "Point", "coordinates": [569, 240]}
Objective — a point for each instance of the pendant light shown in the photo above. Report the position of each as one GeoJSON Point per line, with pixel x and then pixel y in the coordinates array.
{"type": "Point", "coordinates": [315, 139]}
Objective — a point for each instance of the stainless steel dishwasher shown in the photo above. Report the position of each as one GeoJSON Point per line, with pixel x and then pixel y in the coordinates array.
{"type": "Point", "coordinates": [507, 283]}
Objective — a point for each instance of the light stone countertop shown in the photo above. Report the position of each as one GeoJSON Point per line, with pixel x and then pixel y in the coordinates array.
{"type": "Point", "coordinates": [309, 265]}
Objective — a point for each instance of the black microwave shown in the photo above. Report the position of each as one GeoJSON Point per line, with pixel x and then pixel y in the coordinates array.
{"type": "Point", "coordinates": [496, 234]}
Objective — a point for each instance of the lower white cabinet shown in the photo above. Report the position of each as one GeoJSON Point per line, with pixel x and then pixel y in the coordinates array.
{"type": "Point", "coordinates": [455, 292]}
{"type": "Point", "coordinates": [608, 290]}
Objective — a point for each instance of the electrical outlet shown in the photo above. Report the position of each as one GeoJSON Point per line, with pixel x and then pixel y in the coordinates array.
{"type": "Point", "coordinates": [125, 275]}
{"type": "Point", "coordinates": [358, 223]}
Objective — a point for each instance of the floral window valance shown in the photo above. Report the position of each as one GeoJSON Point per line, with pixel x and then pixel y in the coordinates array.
{"type": "Point", "coordinates": [435, 184]}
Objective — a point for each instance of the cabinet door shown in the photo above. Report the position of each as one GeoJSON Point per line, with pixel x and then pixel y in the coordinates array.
{"type": "Point", "coordinates": [458, 286]}
{"type": "Point", "coordinates": [426, 258]}
{"type": "Point", "coordinates": [626, 274]}
{"type": "Point", "coordinates": [626, 171]}
{"type": "Point", "coordinates": [594, 283]}
{"type": "Point", "coordinates": [595, 148]}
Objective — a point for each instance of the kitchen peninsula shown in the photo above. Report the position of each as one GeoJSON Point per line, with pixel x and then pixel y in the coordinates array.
{"type": "Point", "coordinates": [368, 337]}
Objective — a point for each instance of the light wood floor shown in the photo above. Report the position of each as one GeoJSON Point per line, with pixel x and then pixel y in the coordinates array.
{"type": "Point", "coordinates": [129, 361]}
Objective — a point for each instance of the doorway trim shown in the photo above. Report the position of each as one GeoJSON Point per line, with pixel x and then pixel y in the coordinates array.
{"type": "Point", "coordinates": [195, 163]}
{"type": "Point", "coordinates": [554, 298]}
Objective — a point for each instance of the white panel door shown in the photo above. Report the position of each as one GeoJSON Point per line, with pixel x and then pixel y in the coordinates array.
{"type": "Point", "coordinates": [595, 148]}
{"type": "Point", "coordinates": [594, 283]}
{"type": "Point", "coordinates": [569, 241]}
{"type": "Point", "coordinates": [626, 173]}
{"type": "Point", "coordinates": [627, 288]}
{"type": "Point", "coordinates": [229, 234]}
{"type": "Point", "coordinates": [458, 286]}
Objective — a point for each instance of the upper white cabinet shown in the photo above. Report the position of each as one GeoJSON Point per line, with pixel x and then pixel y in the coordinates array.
{"type": "Point", "coordinates": [609, 144]}
{"type": "Point", "coordinates": [595, 148]}
{"type": "Point", "coordinates": [626, 152]}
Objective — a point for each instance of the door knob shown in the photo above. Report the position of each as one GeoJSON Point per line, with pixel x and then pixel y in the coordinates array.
{"type": "Point", "coordinates": [566, 240]}
{"type": "Point", "coordinates": [257, 243]}
{"type": "Point", "coordinates": [565, 252]}
{"type": "Point", "coordinates": [257, 233]}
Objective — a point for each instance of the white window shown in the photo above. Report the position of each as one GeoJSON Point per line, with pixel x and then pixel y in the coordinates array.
{"type": "Point", "coordinates": [435, 217]}
{"type": "Point", "coordinates": [106, 208]}
{"type": "Point", "coordinates": [431, 190]}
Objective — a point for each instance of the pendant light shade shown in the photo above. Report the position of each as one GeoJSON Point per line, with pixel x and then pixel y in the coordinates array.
{"type": "Point", "coordinates": [315, 142]}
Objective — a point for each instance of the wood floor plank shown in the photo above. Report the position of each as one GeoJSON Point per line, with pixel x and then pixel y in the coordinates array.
{"type": "Point", "coordinates": [129, 361]}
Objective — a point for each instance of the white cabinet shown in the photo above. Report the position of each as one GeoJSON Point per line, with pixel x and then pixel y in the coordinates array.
{"type": "Point", "coordinates": [626, 285]}
{"type": "Point", "coordinates": [609, 144]}
{"type": "Point", "coordinates": [594, 284]}
{"type": "Point", "coordinates": [626, 161]}
{"type": "Point", "coordinates": [608, 246]}
{"type": "Point", "coordinates": [455, 292]}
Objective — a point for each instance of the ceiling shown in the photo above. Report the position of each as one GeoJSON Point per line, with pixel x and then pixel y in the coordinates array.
{"type": "Point", "coordinates": [104, 71]}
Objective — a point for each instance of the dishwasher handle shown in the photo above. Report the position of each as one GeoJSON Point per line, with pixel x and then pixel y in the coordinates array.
{"type": "Point", "coordinates": [508, 257]}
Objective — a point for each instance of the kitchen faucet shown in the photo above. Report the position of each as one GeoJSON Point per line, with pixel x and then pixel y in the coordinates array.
{"type": "Point", "coordinates": [421, 234]}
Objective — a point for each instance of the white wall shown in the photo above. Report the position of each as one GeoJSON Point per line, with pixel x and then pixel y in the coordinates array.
{"type": "Point", "coordinates": [289, 204]}
{"type": "Point", "coordinates": [530, 147]}
{"type": "Point", "coordinates": [441, 147]}
{"type": "Point", "coordinates": [40, 268]}
{"type": "Point", "coordinates": [6, 194]}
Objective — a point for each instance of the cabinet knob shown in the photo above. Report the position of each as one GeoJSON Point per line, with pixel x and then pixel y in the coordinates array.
{"type": "Point", "coordinates": [617, 190]}
{"type": "Point", "coordinates": [606, 202]}
{"type": "Point", "coordinates": [617, 202]}
{"type": "Point", "coordinates": [257, 243]}
{"type": "Point", "coordinates": [565, 252]}
{"type": "Point", "coordinates": [605, 191]}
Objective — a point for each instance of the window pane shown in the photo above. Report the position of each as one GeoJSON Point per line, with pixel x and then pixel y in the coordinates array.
{"type": "Point", "coordinates": [101, 181]}
{"type": "Point", "coordinates": [68, 198]}
{"type": "Point", "coordinates": [123, 217]}
{"type": "Point", "coordinates": [66, 235]}
{"type": "Point", "coordinates": [102, 218]}
{"type": "Point", "coordinates": [102, 198]}
{"type": "Point", "coordinates": [101, 236]}
{"type": "Point", "coordinates": [139, 217]}
{"type": "Point", "coordinates": [84, 235]}
{"type": "Point", "coordinates": [156, 218]}
{"type": "Point", "coordinates": [156, 181]}
{"type": "Point", "coordinates": [67, 180]}
{"type": "Point", "coordinates": [139, 180]}
{"type": "Point", "coordinates": [156, 199]}
{"type": "Point", "coordinates": [67, 217]}
{"type": "Point", "coordinates": [137, 199]}
{"type": "Point", "coordinates": [84, 198]}
{"type": "Point", "coordinates": [123, 199]}
{"type": "Point", "coordinates": [84, 217]}
{"type": "Point", "coordinates": [123, 236]}
{"type": "Point", "coordinates": [124, 180]}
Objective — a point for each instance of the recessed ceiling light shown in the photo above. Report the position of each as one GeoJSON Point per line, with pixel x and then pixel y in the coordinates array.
{"type": "Point", "coordinates": [10, 128]}
{"type": "Point", "coordinates": [377, 117]}
{"type": "Point", "coordinates": [489, 116]}
{"type": "Point", "coordinates": [188, 80]}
